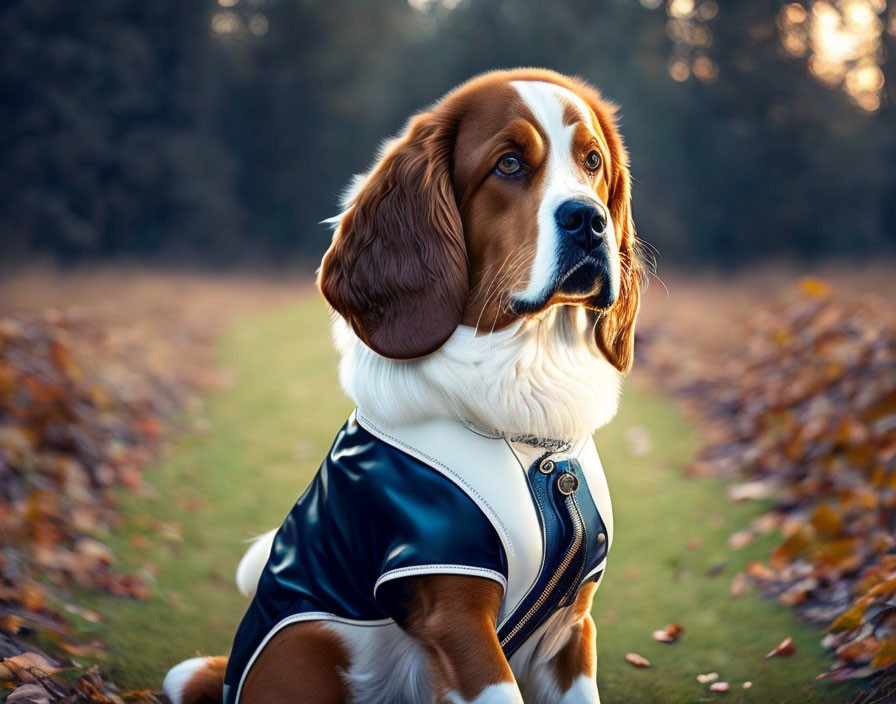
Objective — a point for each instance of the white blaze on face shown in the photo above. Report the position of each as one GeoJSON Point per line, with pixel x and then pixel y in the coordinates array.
{"type": "Point", "coordinates": [564, 179]}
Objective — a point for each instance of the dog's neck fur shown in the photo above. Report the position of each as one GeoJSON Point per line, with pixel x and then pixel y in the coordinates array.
{"type": "Point", "coordinates": [542, 377]}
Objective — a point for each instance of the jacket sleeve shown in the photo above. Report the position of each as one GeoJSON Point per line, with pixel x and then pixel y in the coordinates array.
{"type": "Point", "coordinates": [436, 529]}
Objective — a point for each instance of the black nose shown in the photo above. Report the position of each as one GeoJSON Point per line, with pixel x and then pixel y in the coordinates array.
{"type": "Point", "coordinates": [585, 223]}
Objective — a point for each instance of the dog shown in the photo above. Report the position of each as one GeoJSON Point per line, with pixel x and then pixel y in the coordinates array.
{"type": "Point", "coordinates": [485, 282]}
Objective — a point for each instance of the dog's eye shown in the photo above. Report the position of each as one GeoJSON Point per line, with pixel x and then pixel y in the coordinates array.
{"type": "Point", "coordinates": [509, 164]}
{"type": "Point", "coordinates": [592, 161]}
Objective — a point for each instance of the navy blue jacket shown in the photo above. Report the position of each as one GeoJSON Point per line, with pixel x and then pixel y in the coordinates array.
{"type": "Point", "coordinates": [382, 506]}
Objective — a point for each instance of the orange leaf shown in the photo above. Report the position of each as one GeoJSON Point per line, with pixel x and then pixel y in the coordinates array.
{"type": "Point", "coordinates": [740, 539]}
{"type": "Point", "coordinates": [791, 548]}
{"type": "Point", "coordinates": [759, 571]}
{"type": "Point", "coordinates": [637, 660]}
{"type": "Point", "coordinates": [825, 520]}
{"type": "Point", "coordinates": [886, 656]}
{"type": "Point", "coordinates": [859, 650]}
{"type": "Point", "coordinates": [27, 667]}
{"type": "Point", "coordinates": [785, 649]}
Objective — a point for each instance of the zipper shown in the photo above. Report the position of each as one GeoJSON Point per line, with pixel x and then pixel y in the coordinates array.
{"type": "Point", "coordinates": [578, 521]}
{"type": "Point", "coordinates": [577, 540]}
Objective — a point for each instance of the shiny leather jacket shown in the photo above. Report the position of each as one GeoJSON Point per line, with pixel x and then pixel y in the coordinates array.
{"type": "Point", "coordinates": [434, 498]}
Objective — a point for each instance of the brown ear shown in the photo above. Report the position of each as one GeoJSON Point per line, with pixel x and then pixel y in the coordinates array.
{"type": "Point", "coordinates": [615, 330]}
{"type": "Point", "coordinates": [397, 268]}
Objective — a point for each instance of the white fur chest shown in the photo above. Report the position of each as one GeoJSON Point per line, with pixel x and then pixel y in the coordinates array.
{"type": "Point", "coordinates": [541, 377]}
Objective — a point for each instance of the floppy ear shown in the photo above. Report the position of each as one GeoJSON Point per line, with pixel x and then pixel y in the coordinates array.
{"type": "Point", "coordinates": [615, 329]}
{"type": "Point", "coordinates": [397, 268]}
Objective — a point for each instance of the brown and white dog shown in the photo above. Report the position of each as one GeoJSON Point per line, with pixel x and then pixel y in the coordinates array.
{"type": "Point", "coordinates": [485, 270]}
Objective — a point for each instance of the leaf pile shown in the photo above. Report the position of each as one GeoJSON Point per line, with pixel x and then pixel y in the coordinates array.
{"type": "Point", "coordinates": [800, 407]}
{"type": "Point", "coordinates": [83, 406]}
{"type": "Point", "coordinates": [30, 678]}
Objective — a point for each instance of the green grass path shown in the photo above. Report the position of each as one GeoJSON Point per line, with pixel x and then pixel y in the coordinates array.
{"type": "Point", "coordinates": [267, 437]}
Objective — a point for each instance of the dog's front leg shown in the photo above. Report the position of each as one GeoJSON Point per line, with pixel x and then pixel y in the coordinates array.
{"type": "Point", "coordinates": [453, 619]}
{"type": "Point", "coordinates": [572, 672]}
{"type": "Point", "coordinates": [561, 665]}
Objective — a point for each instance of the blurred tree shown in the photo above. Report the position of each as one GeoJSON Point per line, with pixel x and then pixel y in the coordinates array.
{"type": "Point", "coordinates": [305, 105]}
{"type": "Point", "coordinates": [104, 146]}
{"type": "Point", "coordinates": [221, 129]}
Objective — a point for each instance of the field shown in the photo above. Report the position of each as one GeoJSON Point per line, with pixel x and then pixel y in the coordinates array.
{"type": "Point", "coordinates": [262, 441]}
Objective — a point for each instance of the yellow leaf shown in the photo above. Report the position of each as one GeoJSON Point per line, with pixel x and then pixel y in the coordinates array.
{"type": "Point", "coordinates": [885, 589]}
{"type": "Point", "coordinates": [825, 520]}
{"type": "Point", "coordinates": [886, 656]}
{"type": "Point", "coordinates": [852, 617]}
{"type": "Point", "coordinates": [815, 287]}
{"type": "Point", "coordinates": [792, 548]}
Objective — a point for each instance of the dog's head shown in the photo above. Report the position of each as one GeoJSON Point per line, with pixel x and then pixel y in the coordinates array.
{"type": "Point", "coordinates": [509, 196]}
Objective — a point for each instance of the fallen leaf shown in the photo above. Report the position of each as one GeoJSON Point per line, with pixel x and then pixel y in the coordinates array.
{"type": "Point", "coordinates": [668, 634]}
{"type": "Point", "coordinates": [27, 667]}
{"type": "Point", "coordinates": [766, 523]}
{"type": "Point", "coordinates": [739, 585]}
{"type": "Point", "coordinates": [750, 491]}
{"type": "Point", "coordinates": [785, 649]}
{"type": "Point", "coordinates": [860, 650]}
{"type": "Point", "coordinates": [674, 629]}
{"type": "Point", "coordinates": [886, 656]}
{"type": "Point", "coordinates": [87, 614]}
{"type": "Point", "coordinates": [740, 539]}
{"type": "Point", "coordinates": [799, 592]}
{"type": "Point", "coordinates": [94, 649]}
{"type": "Point", "coordinates": [826, 520]}
{"type": "Point", "coordinates": [759, 571]}
{"type": "Point", "coordinates": [29, 694]}
{"type": "Point", "coordinates": [11, 624]}
{"type": "Point", "coordinates": [852, 617]}
{"type": "Point", "coordinates": [637, 660]}
{"type": "Point", "coordinates": [95, 551]}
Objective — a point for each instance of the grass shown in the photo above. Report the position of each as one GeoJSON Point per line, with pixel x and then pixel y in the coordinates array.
{"type": "Point", "coordinates": [671, 536]}
{"type": "Point", "coordinates": [266, 438]}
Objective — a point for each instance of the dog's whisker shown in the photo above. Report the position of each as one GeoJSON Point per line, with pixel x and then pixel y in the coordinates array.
{"type": "Point", "coordinates": [492, 281]}
{"type": "Point", "coordinates": [497, 288]}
